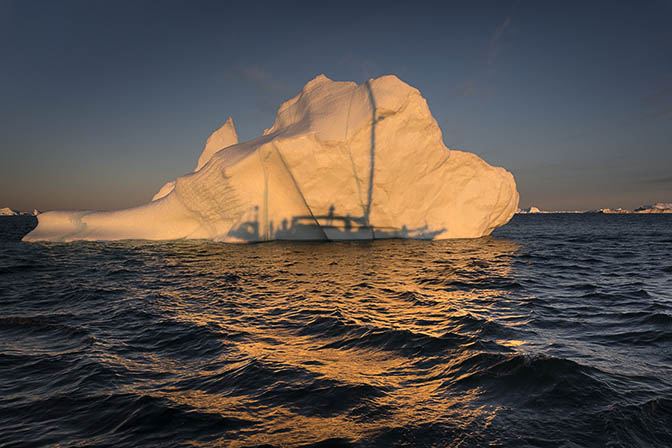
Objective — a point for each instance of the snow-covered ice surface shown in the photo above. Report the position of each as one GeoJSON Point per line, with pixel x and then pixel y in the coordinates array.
{"type": "Point", "coordinates": [341, 162]}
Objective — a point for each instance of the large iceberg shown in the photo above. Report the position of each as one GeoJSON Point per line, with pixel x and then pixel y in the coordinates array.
{"type": "Point", "coordinates": [341, 162]}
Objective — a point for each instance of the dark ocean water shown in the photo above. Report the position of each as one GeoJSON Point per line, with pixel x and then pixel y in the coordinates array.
{"type": "Point", "coordinates": [556, 331]}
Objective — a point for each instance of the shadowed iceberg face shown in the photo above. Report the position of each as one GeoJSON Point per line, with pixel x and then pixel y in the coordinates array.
{"type": "Point", "coordinates": [341, 162]}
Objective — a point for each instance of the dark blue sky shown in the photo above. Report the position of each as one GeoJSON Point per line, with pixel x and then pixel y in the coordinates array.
{"type": "Point", "coordinates": [101, 102]}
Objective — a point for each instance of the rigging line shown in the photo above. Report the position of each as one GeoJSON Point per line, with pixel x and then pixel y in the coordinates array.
{"type": "Point", "coordinates": [373, 151]}
{"type": "Point", "coordinates": [352, 161]}
{"type": "Point", "coordinates": [282, 159]}
{"type": "Point", "coordinates": [265, 210]}
{"type": "Point", "coordinates": [359, 187]}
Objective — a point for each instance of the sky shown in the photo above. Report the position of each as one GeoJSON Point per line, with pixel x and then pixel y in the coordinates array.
{"type": "Point", "coordinates": [101, 102]}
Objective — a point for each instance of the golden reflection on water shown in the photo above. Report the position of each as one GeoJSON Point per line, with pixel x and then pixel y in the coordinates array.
{"type": "Point", "coordinates": [362, 316]}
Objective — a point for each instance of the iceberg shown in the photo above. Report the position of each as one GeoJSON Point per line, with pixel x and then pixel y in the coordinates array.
{"type": "Point", "coordinates": [342, 161]}
{"type": "Point", "coordinates": [531, 209]}
{"type": "Point", "coordinates": [6, 211]}
{"type": "Point", "coordinates": [659, 207]}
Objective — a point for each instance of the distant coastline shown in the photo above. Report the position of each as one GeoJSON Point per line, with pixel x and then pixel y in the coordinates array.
{"type": "Point", "coordinates": [658, 208]}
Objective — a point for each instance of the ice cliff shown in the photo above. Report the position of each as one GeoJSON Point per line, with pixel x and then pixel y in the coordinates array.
{"type": "Point", "coordinates": [341, 162]}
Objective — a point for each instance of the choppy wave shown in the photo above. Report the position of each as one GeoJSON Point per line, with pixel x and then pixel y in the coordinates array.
{"type": "Point", "coordinates": [554, 332]}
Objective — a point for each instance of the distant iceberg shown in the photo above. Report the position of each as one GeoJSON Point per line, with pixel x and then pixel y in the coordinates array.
{"type": "Point", "coordinates": [6, 211]}
{"type": "Point", "coordinates": [614, 211]}
{"type": "Point", "coordinates": [536, 210]}
{"type": "Point", "coordinates": [660, 207]}
{"type": "Point", "coordinates": [531, 209]}
{"type": "Point", "coordinates": [341, 162]}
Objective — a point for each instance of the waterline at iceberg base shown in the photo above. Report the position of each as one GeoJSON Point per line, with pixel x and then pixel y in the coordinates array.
{"type": "Point", "coordinates": [341, 162]}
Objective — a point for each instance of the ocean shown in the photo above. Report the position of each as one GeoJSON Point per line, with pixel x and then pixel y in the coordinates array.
{"type": "Point", "coordinates": [556, 331]}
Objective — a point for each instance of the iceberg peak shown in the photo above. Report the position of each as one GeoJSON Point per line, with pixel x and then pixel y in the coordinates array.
{"type": "Point", "coordinates": [336, 110]}
{"type": "Point", "coordinates": [222, 138]}
{"type": "Point", "coordinates": [317, 80]}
